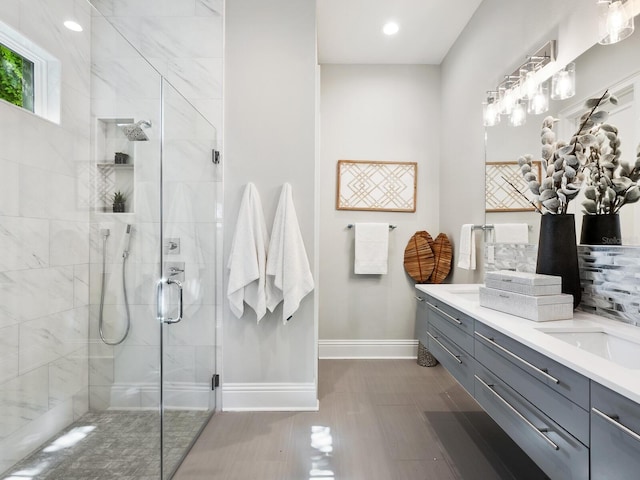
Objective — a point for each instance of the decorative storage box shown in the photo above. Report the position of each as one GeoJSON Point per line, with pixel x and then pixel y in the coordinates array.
{"type": "Point", "coordinates": [524, 283]}
{"type": "Point", "coordinates": [537, 308]}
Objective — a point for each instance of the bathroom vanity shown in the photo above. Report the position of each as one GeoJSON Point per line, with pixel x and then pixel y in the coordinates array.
{"type": "Point", "coordinates": [566, 391]}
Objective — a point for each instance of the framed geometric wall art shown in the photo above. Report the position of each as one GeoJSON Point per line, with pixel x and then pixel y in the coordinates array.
{"type": "Point", "coordinates": [376, 186]}
{"type": "Point", "coordinates": [500, 196]}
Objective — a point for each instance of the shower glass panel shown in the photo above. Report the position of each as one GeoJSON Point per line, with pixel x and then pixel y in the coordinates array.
{"type": "Point", "coordinates": [189, 198]}
{"type": "Point", "coordinates": [92, 383]}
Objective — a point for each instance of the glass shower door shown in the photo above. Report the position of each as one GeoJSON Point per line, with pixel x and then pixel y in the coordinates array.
{"type": "Point", "coordinates": [189, 209]}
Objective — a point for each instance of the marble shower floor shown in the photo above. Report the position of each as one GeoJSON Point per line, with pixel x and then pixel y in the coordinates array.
{"type": "Point", "coordinates": [107, 445]}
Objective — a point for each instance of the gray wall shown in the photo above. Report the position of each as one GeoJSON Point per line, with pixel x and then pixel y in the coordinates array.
{"type": "Point", "coordinates": [270, 127]}
{"type": "Point", "coordinates": [382, 113]}
{"type": "Point", "coordinates": [495, 41]}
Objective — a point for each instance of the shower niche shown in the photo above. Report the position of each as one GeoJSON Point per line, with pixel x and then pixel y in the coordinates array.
{"type": "Point", "coordinates": [115, 157]}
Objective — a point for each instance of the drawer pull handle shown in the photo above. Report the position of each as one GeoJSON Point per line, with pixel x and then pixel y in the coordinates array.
{"type": "Point", "coordinates": [420, 299]}
{"type": "Point", "coordinates": [521, 360]}
{"type": "Point", "coordinates": [454, 319]}
{"type": "Point", "coordinates": [539, 431]}
{"type": "Point", "coordinates": [613, 420]}
{"type": "Point", "coordinates": [456, 357]}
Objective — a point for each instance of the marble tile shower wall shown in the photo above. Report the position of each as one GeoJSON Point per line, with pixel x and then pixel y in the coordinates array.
{"type": "Point", "coordinates": [44, 227]}
{"type": "Point", "coordinates": [183, 41]}
{"type": "Point", "coordinates": [608, 275]}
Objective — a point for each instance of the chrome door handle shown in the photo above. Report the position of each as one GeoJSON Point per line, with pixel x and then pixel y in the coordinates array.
{"type": "Point", "coordinates": [539, 431]}
{"type": "Point", "coordinates": [435, 339]}
{"type": "Point", "coordinates": [160, 304]}
{"type": "Point", "coordinates": [439, 310]}
{"type": "Point", "coordinates": [541, 371]}
{"type": "Point", "coordinates": [420, 299]}
{"type": "Point", "coordinates": [613, 420]}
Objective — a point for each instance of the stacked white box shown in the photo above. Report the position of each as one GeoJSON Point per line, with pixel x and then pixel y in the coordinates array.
{"type": "Point", "coordinates": [529, 295]}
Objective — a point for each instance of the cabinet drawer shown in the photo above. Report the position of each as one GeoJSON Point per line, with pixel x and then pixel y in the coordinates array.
{"type": "Point", "coordinates": [559, 378]}
{"type": "Point", "coordinates": [421, 318]}
{"type": "Point", "coordinates": [615, 435]}
{"type": "Point", "coordinates": [570, 416]}
{"type": "Point", "coordinates": [453, 327]}
{"type": "Point", "coordinates": [438, 309]}
{"type": "Point", "coordinates": [556, 452]}
{"type": "Point", "coordinates": [459, 363]}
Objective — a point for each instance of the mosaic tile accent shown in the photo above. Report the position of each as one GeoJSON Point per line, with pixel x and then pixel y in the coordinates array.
{"type": "Point", "coordinates": [115, 444]}
{"type": "Point", "coordinates": [610, 276]}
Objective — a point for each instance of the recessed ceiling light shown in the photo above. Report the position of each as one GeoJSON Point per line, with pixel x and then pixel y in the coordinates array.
{"type": "Point", "coordinates": [390, 28]}
{"type": "Point", "coordinates": [73, 26]}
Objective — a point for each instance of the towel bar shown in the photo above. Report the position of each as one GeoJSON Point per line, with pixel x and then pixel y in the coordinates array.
{"type": "Point", "coordinates": [391, 227]}
{"type": "Point", "coordinates": [490, 227]}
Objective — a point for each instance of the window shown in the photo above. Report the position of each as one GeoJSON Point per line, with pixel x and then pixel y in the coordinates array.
{"type": "Point", "coordinates": [16, 78]}
{"type": "Point", "coordinates": [30, 77]}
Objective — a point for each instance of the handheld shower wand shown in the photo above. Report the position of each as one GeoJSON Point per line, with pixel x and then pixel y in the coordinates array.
{"type": "Point", "coordinates": [125, 254]}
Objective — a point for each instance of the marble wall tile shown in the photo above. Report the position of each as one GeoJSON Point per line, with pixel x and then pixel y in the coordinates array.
{"type": "Point", "coordinates": [101, 371]}
{"type": "Point", "coordinates": [11, 126]}
{"type": "Point", "coordinates": [189, 161]}
{"type": "Point", "coordinates": [209, 7]}
{"type": "Point", "coordinates": [143, 8]}
{"type": "Point", "coordinates": [191, 201]}
{"type": "Point", "coordinates": [69, 242]}
{"type": "Point", "coordinates": [24, 243]}
{"type": "Point", "coordinates": [80, 285]}
{"type": "Point", "coordinates": [179, 364]}
{"type": "Point", "coordinates": [68, 376]}
{"type": "Point", "coordinates": [9, 342]}
{"type": "Point", "coordinates": [80, 403]}
{"type": "Point", "coordinates": [9, 190]}
{"type": "Point", "coordinates": [49, 338]}
{"type": "Point", "coordinates": [196, 77]}
{"type": "Point", "coordinates": [137, 364]}
{"type": "Point", "coordinates": [205, 362]}
{"type": "Point", "coordinates": [23, 399]}
{"type": "Point", "coordinates": [197, 329]}
{"type": "Point", "coordinates": [31, 294]}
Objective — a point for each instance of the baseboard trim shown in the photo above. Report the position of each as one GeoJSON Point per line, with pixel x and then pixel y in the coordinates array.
{"type": "Point", "coordinates": [367, 349]}
{"type": "Point", "coordinates": [270, 397]}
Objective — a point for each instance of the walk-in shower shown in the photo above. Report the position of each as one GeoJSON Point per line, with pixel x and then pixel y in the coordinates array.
{"type": "Point", "coordinates": [94, 383]}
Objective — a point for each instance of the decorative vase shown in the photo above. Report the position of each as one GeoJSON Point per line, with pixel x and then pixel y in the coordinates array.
{"type": "Point", "coordinates": [558, 253]}
{"type": "Point", "coordinates": [601, 230]}
{"type": "Point", "coordinates": [120, 158]}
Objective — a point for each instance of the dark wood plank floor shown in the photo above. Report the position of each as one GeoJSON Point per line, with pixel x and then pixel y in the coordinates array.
{"type": "Point", "coordinates": [378, 420]}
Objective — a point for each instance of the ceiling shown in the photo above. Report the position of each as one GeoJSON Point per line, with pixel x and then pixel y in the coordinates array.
{"type": "Point", "coordinates": [350, 31]}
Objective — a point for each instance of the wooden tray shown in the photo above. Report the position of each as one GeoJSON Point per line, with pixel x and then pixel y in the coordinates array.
{"type": "Point", "coordinates": [443, 253]}
{"type": "Point", "coordinates": [419, 260]}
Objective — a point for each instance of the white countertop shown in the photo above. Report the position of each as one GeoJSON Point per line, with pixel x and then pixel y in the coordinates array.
{"type": "Point", "coordinates": [625, 381]}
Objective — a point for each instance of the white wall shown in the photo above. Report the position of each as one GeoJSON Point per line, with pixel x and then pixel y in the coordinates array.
{"type": "Point", "coordinates": [495, 41]}
{"type": "Point", "coordinates": [382, 113]}
{"type": "Point", "coordinates": [270, 111]}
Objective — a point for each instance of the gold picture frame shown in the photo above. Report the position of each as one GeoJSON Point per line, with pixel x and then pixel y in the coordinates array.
{"type": "Point", "coordinates": [376, 186]}
{"type": "Point", "coordinates": [500, 196]}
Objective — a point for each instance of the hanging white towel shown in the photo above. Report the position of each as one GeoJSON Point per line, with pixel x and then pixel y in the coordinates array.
{"type": "Point", "coordinates": [371, 248]}
{"type": "Point", "coordinates": [467, 250]}
{"type": "Point", "coordinates": [287, 264]}
{"type": "Point", "coordinates": [248, 257]}
{"type": "Point", "coordinates": [511, 232]}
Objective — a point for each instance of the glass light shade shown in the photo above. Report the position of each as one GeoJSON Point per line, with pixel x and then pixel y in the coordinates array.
{"type": "Point", "coordinates": [539, 101]}
{"type": "Point", "coordinates": [518, 115]}
{"type": "Point", "coordinates": [563, 83]}
{"type": "Point", "coordinates": [615, 22]}
{"type": "Point", "coordinates": [490, 113]}
{"type": "Point", "coordinates": [528, 82]}
{"type": "Point", "coordinates": [507, 101]}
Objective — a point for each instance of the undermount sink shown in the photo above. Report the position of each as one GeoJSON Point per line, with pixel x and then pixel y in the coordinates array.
{"type": "Point", "coordinates": [604, 342]}
{"type": "Point", "coordinates": [468, 293]}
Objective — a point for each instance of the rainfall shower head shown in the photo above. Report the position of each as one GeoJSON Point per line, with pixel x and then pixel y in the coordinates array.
{"type": "Point", "coordinates": [134, 131]}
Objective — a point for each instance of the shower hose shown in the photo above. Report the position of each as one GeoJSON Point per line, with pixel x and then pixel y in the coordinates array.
{"type": "Point", "coordinates": [125, 255]}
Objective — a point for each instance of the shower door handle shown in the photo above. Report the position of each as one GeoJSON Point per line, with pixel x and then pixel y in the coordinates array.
{"type": "Point", "coordinates": [160, 300]}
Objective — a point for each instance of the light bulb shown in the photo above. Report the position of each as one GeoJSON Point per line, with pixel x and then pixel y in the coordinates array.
{"type": "Point", "coordinates": [563, 83]}
{"type": "Point", "coordinates": [539, 101]}
{"type": "Point", "coordinates": [615, 23]}
{"type": "Point", "coordinates": [490, 113]}
{"type": "Point", "coordinates": [518, 115]}
{"type": "Point", "coordinates": [390, 28]}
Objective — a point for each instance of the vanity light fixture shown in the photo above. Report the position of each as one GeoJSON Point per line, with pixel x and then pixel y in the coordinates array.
{"type": "Point", "coordinates": [491, 110]}
{"type": "Point", "coordinates": [520, 85]}
{"type": "Point", "coordinates": [518, 115]}
{"type": "Point", "coordinates": [539, 101]}
{"type": "Point", "coordinates": [563, 83]}
{"type": "Point", "coordinates": [615, 21]}
{"type": "Point", "coordinates": [390, 28]}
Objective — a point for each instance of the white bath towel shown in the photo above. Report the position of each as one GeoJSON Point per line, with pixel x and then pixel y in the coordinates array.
{"type": "Point", "coordinates": [511, 232]}
{"type": "Point", "coordinates": [371, 248]}
{"type": "Point", "coordinates": [287, 264]}
{"type": "Point", "coordinates": [467, 250]}
{"type": "Point", "coordinates": [248, 257]}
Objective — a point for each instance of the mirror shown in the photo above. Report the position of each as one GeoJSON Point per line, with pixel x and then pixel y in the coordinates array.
{"type": "Point", "coordinates": [614, 67]}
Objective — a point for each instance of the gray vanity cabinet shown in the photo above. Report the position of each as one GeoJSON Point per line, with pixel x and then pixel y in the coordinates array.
{"type": "Point", "coordinates": [615, 435]}
{"type": "Point", "coordinates": [421, 318]}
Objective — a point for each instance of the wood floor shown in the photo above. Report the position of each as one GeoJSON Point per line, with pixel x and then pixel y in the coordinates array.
{"type": "Point", "coordinates": [378, 420]}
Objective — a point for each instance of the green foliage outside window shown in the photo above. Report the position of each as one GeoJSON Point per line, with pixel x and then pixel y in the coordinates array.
{"type": "Point", "coordinates": [16, 78]}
